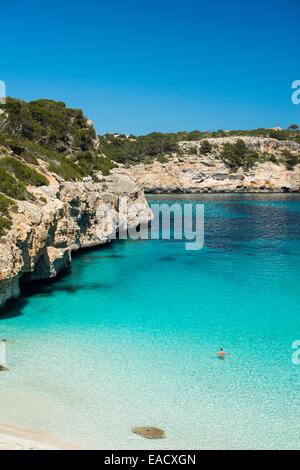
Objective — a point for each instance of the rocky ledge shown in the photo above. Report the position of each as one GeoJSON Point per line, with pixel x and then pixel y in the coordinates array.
{"type": "Point", "coordinates": [208, 173]}
{"type": "Point", "coordinates": [64, 217]}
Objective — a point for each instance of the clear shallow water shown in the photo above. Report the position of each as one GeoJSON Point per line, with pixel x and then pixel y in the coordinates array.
{"type": "Point", "coordinates": [126, 338]}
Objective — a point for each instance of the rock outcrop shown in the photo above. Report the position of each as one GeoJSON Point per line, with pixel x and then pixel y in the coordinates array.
{"type": "Point", "coordinates": [65, 217]}
{"type": "Point", "coordinates": [208, 173]}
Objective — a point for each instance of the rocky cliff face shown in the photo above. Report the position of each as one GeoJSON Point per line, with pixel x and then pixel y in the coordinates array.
{"type": "Point", "coordinates": [65, 217]}
{"type": "Point", "coordinates": [208, 173]}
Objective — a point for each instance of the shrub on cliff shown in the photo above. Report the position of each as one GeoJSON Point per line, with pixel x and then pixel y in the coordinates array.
{"type": "Point", "coordinates": [5, 219]}
{"type": "Point", "coordinates": [23, 172]}
{"type": "Point", "coordinates": [290, 159]}
{"type": "Point", "coordinates": [65, 168]}
{"type": "Point", "coordinates": [236, 155]}
{"type": "Point", "coordinates": [19, 147]}
{"type": "Point", "coordinates": [89, 162]}
{"type": "Point", "coordinates": [84, 138]}
{"type": "Point", "coordinates": [205, 147]}
{"type": "Point", "coordinates": [5, 205]}
{"type": "Point", "coordinates": [104, 165]}
{"type": "Point", "coordinates": [162, 159]}
{"type": "Point", "coordinates": [11, 186]}
{"type": "Point", "coordinates": [5, 224]}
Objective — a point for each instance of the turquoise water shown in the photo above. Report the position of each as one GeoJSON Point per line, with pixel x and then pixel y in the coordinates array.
{"type": "Point", "coordinates": [126, 337]}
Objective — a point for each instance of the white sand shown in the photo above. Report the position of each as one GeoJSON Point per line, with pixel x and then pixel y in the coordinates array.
{"type": "Point", "coordinates": [12, 438]}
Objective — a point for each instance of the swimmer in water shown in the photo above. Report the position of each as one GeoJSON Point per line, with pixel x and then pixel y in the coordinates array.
{"type": "Point", "coordinates": [222, 353]}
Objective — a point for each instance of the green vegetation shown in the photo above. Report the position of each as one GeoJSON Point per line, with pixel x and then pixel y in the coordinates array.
{"type": "Point", "coordinates": [5, 225]}
{"type": "Point", "coordinates": [49, 131]}
{"type": "Point", "coordinates": [23, 172]}
{"type": "Point", "coordinates": [29, 157]}
{"type": "Point", "coordinates": [65, 168]}
{"type": "Point", "coordinates": [192, 151]}
{"type": "Point", "coordinates": [48, 123]}
{"type": "Point", "coordinates": [205, 147]}
{"type": "Point", "coordinates": [269, 157]}
{"type": "Point", "coordinates": [162, 159]}
{"type": "Point", "coordinates": [5, 219]}
{"type": "Point", "coordinates": [10, 186]}
{"type": "Point", "coordinates": [136, 149]}
{"type": "Point", "coordinates": [290, 159]}
{"type": "Point", "coordinates": [5, 205]}
{"type": "Point", "coordinates": [88, 162]}
{"type": "Point", "coordinates": [236, 155]}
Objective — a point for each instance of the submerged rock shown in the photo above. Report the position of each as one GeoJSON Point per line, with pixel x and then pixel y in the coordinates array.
{"type": "Point", "coordinates": [149, 432]}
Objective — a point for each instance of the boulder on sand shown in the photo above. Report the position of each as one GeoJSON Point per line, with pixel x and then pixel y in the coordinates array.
{"type": "Point", "coordinates": [149, 432]}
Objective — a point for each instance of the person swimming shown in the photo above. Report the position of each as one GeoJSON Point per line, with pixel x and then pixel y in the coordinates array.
{"type": "Point", "coordinates": [221, 354]}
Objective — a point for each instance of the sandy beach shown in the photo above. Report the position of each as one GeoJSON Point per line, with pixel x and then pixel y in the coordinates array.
{"type": "Point", "coordinates": [12, 438]}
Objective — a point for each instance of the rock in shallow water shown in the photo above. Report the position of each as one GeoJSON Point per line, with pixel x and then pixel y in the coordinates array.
{"type": "Point", "coordinates": [149, 432]}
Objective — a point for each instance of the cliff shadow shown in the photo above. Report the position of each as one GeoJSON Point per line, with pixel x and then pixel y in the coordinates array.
{"type": "Point", "coordinates": [13, 308]}
{"type": "Point", "coordinates": [48, 286]}
{"type": "Point", "coordinates": [29, 288]}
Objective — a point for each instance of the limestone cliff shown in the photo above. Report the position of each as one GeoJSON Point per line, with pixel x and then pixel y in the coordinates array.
{"type": "Point", "coordinates": [65, 217]}
{"type": "Point", "coordinates": [193, 173]}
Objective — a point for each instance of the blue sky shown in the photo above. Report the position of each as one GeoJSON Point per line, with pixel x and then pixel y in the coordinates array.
{"type": "Point", "coordinates": [139, 66]}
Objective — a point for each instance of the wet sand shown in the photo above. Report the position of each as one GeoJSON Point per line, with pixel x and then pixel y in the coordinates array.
{"type": "Point", "coordinates": [12, 438]}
